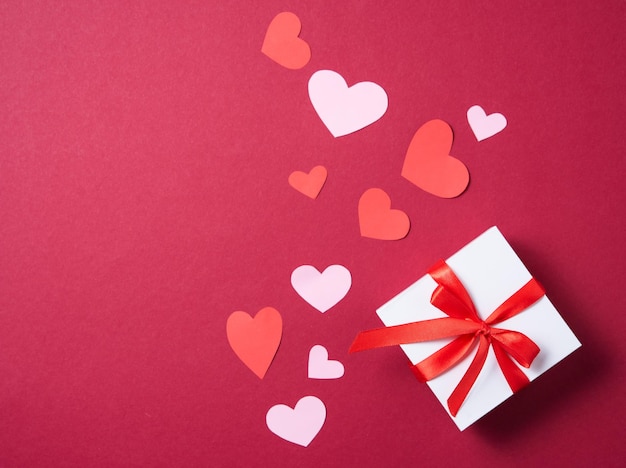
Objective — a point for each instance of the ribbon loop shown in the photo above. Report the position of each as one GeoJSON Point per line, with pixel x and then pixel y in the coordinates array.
{"type": "Point", "coordinates": [450, 296]}
{"type": "Point", "coordinates": [463, 322]}
{"type": "Point", "coordinates": [519, 346]}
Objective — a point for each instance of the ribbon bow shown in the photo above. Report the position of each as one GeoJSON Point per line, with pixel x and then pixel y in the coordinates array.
{"type": "Point", "coordinates": [464, 323]}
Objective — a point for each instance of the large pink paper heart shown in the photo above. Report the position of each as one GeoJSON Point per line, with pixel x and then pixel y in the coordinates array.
{"type": "Point", "coordinates": [345, 109]}
{"type": "Point", "coordinates": [299, 425]}
{"type": "Point", "coordinates": [321, 290]}
{"type": "Point", "coordinates": [320, 367]}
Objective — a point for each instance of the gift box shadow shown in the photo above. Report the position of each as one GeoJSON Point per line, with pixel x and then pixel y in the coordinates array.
{"type": "Point", "coordinates": [579, 374]}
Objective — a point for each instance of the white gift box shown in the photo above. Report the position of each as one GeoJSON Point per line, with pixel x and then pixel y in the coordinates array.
{"type": "Point", "coordinates": [491, 272]}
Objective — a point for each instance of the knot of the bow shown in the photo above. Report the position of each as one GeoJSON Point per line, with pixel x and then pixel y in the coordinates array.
{"type": "Point", "coordinates": [484, 330]}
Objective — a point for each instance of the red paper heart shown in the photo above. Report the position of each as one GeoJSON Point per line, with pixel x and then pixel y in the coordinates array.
{"type": "Point", "coordinates": [309, 184]}
{"type": "Point", "coordinates": [428, 163]}
{"type": "Point", "coordinates": [376, 218]}
{"type": "Point", "coordinates": [282, 43]}
{"type": "Point", "coordinates": [255, 340]}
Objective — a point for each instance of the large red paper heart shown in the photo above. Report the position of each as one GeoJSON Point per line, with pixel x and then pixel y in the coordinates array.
{"type": "Point", "coordinates": [282, 43]}
{"type": "Point", "coordinates": [255, 340]}
{"type": "Point", "coordinates": [428, 163]}
{"type": "Point", "coordinates": [376, 218]}
{"type": "Point", "coordinates": [309, 184]}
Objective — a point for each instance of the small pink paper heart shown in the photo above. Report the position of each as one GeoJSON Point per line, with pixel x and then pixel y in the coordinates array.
{"type": "Point", "coordinates": [299, 425]}
{"type": "Point", "coordinates": [321, 290]}
{"type": "Point", "coordinates": [483, 125]}
{"type": "Point", "coordinates": [320, 367]}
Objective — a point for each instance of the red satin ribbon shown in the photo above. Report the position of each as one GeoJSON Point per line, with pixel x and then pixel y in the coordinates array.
{"type": "Point", "coordinates": [464, 323]}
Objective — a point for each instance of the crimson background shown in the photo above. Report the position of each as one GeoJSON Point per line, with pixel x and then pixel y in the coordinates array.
{"type": "Point", "coordinates": [145, 149]}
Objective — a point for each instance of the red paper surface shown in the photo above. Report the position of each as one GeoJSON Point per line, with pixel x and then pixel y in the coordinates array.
{"type": "Point", "coordinates": [144, 153]}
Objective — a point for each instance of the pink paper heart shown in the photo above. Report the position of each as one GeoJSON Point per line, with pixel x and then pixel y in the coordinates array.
{"type": "Point", "coordinates": [483, 125]}
{"type": "Point", "coordinates": [320, 367]}
{"type": "Point", "coordinates": [299, 425]}
{"type": "Point", "coordinates": [346, 109]}
{"type": "Point", "coordinates": [321, 290]}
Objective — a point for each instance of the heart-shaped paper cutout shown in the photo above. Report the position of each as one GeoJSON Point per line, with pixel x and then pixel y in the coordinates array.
{"type": "Point", "coordinates": [282, 43]}
{"type": "Point", "coordinates": [309, 184]}
{"type": "Point", "coordinates": [299, 425]}
{"type": "Point", "coordinates": [320, 367]}
{"type": "Point", "coordinates": [321, 290]}
{"type": "Point", "coordinates": [376, 218]}
{"type": "Point", "coordinates": [428, 163]}
{"type": "Point", "coordinates": [483, 125]}
{"type": "Point", "coordinates": [345, 110]}
{"type": "Point", "coordinates": [255, 340]}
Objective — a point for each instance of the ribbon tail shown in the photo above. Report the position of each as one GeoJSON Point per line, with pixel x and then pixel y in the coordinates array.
{"type": "Point", "coordinates": [463, 388]}
{"type": "Point", "coordinates": [513, 375]}
{"type": "Point", "coordinates": [447, 357]}
{"type": "Point", "coordinates": [414, 332]}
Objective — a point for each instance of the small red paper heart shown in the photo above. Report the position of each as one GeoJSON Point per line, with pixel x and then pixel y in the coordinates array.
{"type": "Point", "coordinates": [376, 218]}
{"type": "Point", "coordinates": [428, 163]}
{"type": "Point", "coordinates": [255, 340]}
{"type": "Point", "coordinates": [282, 43]}
{"type": "Point", "coordinates": [309, 184]}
